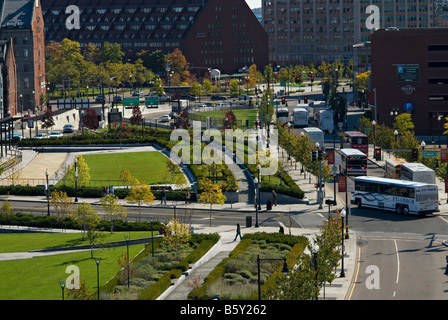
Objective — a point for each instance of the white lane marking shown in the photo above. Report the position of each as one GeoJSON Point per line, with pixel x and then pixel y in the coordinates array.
{"type": "Point", "coordinates": [398, 262]}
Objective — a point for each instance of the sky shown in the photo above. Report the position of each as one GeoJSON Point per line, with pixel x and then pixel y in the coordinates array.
{"type": "Point", "coordinates": [254, 3]}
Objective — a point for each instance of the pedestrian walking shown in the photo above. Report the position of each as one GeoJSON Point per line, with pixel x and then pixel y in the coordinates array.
{"type": "Point", "coordinates": [187, 197]}
{"type": "Point", "coordinates": [107, 191]}
{"type": "Point", "coordinates": [103, 192]}
{"type": "Point", "coordinates": [274, 198]}
{"type": "Point", "coordinates": [163, 196]}
{"type": "Point", "coordinates": [111, 190]}
{"type": "Point", "coordinates": [238, 232]}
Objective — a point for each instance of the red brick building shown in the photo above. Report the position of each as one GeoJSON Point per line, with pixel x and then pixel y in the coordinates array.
{"type": "Point", "coordinates": [9, 94]}
{"type": "Point", "coordinates": [410, 74]}
{"type": "Point", "coordinates": [214, 34]}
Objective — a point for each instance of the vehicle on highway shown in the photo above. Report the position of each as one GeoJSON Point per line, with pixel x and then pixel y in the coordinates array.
{"type": "Point", "coordinates": [283, 115]}
{"type": "Point", "coordinates": [356, 140]}
{"type": "Point", "coordinates": [245, 97]}
{"type": "Point", "coordinates": [56, 134]}
{"type": "Point", "coordinates": [188, 97]}
{"type": "Point", "coordinates": [216, 97]}
{"type": "Point", "coordinates": [301, 117]}
{"type": "Point", "coordinates": [137, 93]}
{"type": "Point", "coordinates": [353, 162]}
{"type": "Point", "coordinates": [100, 98]}
{"type": "Point", "coordinates": [15, 137]}
{"type": "Point", "coordinates": [41, 136]}
{"type": "Point", "coordinates": [117, 99]}
{"type": "Point", "coordinates": [393, 168]}
{"type": "Point", "coordinates": [417, 172]}
{"type": "Point", "coordinates": [164, 98]}
{"type": "Point", "coordinates": [166, 118]}
{"type": "Point", "coordinates": [403, 197]}
{"type": "Point", "coordinates": [68, 128]}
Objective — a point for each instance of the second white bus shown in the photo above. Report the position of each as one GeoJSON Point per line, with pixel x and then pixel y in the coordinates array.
{"type": "Point", "coordinates": [300, 116]}
{"type": "Point", "coordinates": [353, 162]}
{"type": "Point", "coordinates": [403, 197]}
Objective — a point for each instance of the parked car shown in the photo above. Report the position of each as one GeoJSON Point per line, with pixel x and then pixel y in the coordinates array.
{"type": "Point", "coordinates": [41, 136]}
{"type": "Point", "coordinates": [137, 93]}
{"type": "Point", "coordinates": [188, 97]}
{"type": "Point", "coordinates": [68, 128]}
{"type": "Point", "coordinates": [56, 134]}
{"type": "Point", "coordinates": [100, 98]}
{"type": "Point", "coordinates": [166, 118]}
{"type": "Point", "coordinates": [245, 97]}
{"type": "Point", "coordinates": [117, 99]}
{"type": "Point", "coordinates": [218, 97]}
{"type": "Point", "coordinates": [6, 127]}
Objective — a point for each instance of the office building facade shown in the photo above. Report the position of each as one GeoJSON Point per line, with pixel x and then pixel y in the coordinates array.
{"type": "Point", "coordinates": [212, 34]}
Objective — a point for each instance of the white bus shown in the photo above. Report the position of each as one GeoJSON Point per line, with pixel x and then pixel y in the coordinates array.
{"type": "Point", "coordinates": [353, 162]}
{"type": "Point", "coordinates": [283, 115]}
{"type": "Point", "coordinates": [300, 117]}
{"type": "Point", "coordinates": [417, 172]}
{"type": "Point", "coordinates": [315, 134]}
{"type": "Point", "coordinates": [403, 197]}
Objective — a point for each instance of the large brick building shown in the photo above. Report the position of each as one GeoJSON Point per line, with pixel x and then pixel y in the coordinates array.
{"type": "Point", "coordinates": [8, 80]}
{"type": "Point", "coordinates": [410, 74]}
{"type": "Point", "coordinates": [326, 30]}
{"type": "Point", "coordinates": [224, 35]}
{"type": "Point", "coordinates": [22, 21]}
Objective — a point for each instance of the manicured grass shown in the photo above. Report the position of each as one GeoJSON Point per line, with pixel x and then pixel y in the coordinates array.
{"type": "Point", "coordinates": [147, 167]}
{"type": "Point", "coordinates": [38, 278]}
{"type": "Point", "coordinates": [23, 242]}
{"type": "Point", "coordinates": [240, 115]}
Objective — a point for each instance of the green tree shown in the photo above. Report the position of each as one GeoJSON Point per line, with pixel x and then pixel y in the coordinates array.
{"type": "Point", "coordinates": [211, 194]}
{"type": "Point", "coordinates": [113, 209]}
{"type": "Point", "coordinates": [140, 194]}
{"type": "Point", "coordinates": [83, 172]}
{"type": "Point", "coordinates": [234, 87]}
{"type": "Point", "coordinates": [154, 61]}
{"type": "Point", "coordinates": [62, 203]}
{"type": "Point", "coordinates": [6, 208]}
{"type": "Point", "coordinates": [403, 123]}
{"type": "Point", "coordinates": [207, 86]}
{"type": "Point", "coordinates": [86, 217]}
{"type": "Point", "coordinates": [111, 53]}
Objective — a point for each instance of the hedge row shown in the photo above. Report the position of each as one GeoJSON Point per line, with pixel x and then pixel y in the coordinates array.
{"type": "Point", "coordinates": [121, 193]}
{"type": "Point", "coordinates": [52, 222]}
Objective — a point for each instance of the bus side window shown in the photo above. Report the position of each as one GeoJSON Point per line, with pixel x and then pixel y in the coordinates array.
{"type": "Point", "coordinates": [395, 191]}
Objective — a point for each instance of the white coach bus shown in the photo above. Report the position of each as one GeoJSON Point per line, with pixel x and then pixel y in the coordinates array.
{"type": "Point", "coordinates": [403, 197]}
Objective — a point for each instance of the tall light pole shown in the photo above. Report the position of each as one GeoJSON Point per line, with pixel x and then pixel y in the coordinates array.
{"type": "Point", "coordinates": [76, 179]}
{"type": "Point", "coordinates": [315, 250]}
{"type": "Point", "coordinates": [320, 175]}
{"type": "Point", "coordinates": [285, 271]}
{"type": "Point", "coordinates": [255, 199]}
{"type": "Point", "coordinates": [48, 192]}
{"type": "Point", "coordinates": [342, 248]}
{"type": "Point", "coordinates": [97, 261]}
{"type": "Point", "coordinates": [62, 284]}
{"type": "Point", "coordinates": [127, 237]}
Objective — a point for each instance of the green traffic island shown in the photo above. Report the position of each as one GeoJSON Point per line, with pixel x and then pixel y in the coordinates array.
{"type": "Point", "coordinates": [236, 277]}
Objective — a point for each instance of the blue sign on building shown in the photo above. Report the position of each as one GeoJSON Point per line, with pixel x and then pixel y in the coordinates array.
{"type": "Point", "coordinates": [408, 106]}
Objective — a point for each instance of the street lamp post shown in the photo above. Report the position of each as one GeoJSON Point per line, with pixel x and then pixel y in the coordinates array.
{"type": "Point", "coordinates": [97, 261]}
{"type": "Point", "coordinates": [151, 219]}
{"type": "Point", "coordinates": [62, 284]}
{"type": "Point", "coordinates": [127, 237]}
{"type": "Point", "coordinates": [320, 178]}
{"type": "Point", "coordinates": [315, 250]}
{"type": "Point", "coordinates": [48, 192]}
{"type": "Point", "coordinates": [342, 238]}
{"type": "Point", "coordinates": [76, 179]}
{"type": "Point", "coordinates": [256, 201]}
{"type": "Point", "coordinates": [259, 186]}
{"type": "Point", "coordinates": [285, 271]}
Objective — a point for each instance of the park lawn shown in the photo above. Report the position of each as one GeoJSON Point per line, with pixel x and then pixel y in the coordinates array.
{"type": "Point", "coordinates": [24, 242]}
{"type": "Point", "coordinates": [148, 167]}
{"type": "Point", "coordinates": [240, 115]}
{"type": "Point", "coordinates": [38, 278]}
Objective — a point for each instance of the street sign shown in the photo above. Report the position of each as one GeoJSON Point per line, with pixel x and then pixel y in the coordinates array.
{"type": "Point", "coordinates": [151, 101]}
{"type": "Point", "coordinates": [131, 101]}
{"type": "Point", "coordinates": [429, 154]}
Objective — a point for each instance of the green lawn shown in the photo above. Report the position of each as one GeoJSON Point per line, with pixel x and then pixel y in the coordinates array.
{"type": "Point", "coordinates": [38, 278]}
{"type": "Point", "coordinates": [147, 167]}
{"type": "Point", "coordinates": [240, 115]}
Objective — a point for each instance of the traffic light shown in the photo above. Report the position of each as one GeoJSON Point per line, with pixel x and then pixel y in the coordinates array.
{"type": "Point", "coordinates": [316, 185]}
{"type": "Point", "coordinates": [305, 99]}
{"type": "Point", "coordinates": [313, 156]}
{"type": "Point", "coordinates": [312, 79]}
{"type": "Point", "coordinates": [293, 74]}
{"type": "Point", "coordinates": [377, 154]}
{"type": "Point", "coordinates": [298, 80]}
{"type": "Point", "coordinates": [319, 155]}
{"type": "Point", "coordinates": [415, 155]}
{"type": "Point", "coordinates": [283, 100]}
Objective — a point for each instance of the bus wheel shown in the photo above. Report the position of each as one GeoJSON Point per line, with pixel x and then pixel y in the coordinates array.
{"type": "Point", "coordinates": [405, 210]}
{"type": "Point", "coordinates": [399, 209]}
